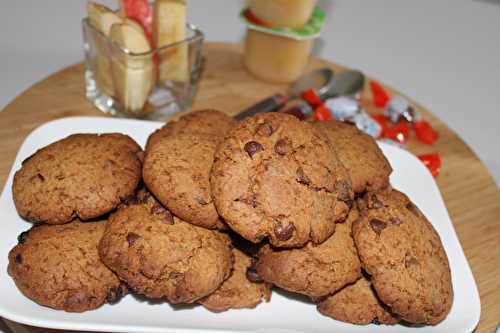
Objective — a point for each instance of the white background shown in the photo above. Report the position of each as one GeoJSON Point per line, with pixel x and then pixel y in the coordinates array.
{"type": "Point", "coordinates": [445, 54]}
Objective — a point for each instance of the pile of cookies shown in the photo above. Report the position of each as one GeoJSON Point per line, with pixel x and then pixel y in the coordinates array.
{"type": "Point", "coordinates": [217, 212]}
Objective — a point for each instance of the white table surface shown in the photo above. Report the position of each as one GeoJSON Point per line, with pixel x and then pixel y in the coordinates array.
{"type": "Point", "coordinates": [445, 54]}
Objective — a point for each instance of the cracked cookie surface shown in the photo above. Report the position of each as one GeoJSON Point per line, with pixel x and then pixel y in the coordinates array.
{"type": "Point", "coordinates": [238, 291]}
{"type": "Point", "coordinates": [58, 266]}
{"type": "Point", "coordinates": [83, 175]}
{"type": "Point", "coordinates": [177, 171]}
{"type": "Point", "coordinates": [159, 255]}
{"type": "Point", "coordinates": [403, 253]}
{"type": "Point", "coordinates": [367, 166]}
{"type": "Point", "coordinates": [210, 122]}
{"type": "Point", "coordinates": [314, 270]}
{"type": "Point", "coordinates": [275, 176]}
{"type": "Point", "coordinates": [358, 304]}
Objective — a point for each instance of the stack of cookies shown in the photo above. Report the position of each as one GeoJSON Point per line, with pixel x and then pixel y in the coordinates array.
{"type": "Point", "coordinates": [217, 212]}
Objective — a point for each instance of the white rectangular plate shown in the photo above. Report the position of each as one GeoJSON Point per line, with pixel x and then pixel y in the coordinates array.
{"type": "Point", "coordinates": [282, 314]}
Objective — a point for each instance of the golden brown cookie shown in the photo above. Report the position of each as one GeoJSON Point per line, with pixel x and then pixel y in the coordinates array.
{"type": "Point", "coordinates": [315, 270]}
{"type": "Point", "coordinates": [275, 176]}
{"type": "Point", "coordinates": [209, 121]}
{"type": "Point", "coordinates": [238, 291]}
{"type": "Point", "coordinates": [366, 164]}
{"type": "Point", "coordinates": [403, 253]}
{"type": "Point", "coordinates": [177, 171]}
{"type": "Point", "coordinates": [161, 256]}
{"type": "Point", "coordinates": [357, 304]}
{"type": "Point", "coordinates": [83, 175]}
{"type": "Point", "coordinates": [58, 266]}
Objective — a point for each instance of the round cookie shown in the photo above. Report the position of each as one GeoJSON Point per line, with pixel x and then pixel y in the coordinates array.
{"type": "Point", "coordinates": [403, 254]}
{"type": "Point", "coordinates": [238, 291]}
{"type": "Point", "coordinates": [357, 304]}
{"type": "Point", "coordinates": [161, 256]}
{"type": "Point", "coordinates": [58, 266]}
{"type": "Point", "coordinates": [315, 270]}
{"type": "Point", "coordinates": [367, 166]}
{"type": "Point", "coordinates": [210, 122]}
{"type": "Point", "coordinates": [83, 175]}
{"type": "Point", "coordinates": [177, 171]}
{"type": "Point", "coordinates": [275, 176]}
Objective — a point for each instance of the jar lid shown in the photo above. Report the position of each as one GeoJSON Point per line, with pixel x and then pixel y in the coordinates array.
{"type": "Point", "coordinates": [311, 30]}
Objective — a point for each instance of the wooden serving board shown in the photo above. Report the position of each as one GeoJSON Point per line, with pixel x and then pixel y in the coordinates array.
{"type": "Point", "coordinates": [470, 194]}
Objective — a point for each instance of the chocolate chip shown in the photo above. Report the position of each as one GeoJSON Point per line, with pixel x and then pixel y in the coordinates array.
{"type": "Point", "coordinates": [410, 261]}
{"type": "Point", "coordinates": [349, 203]}
{"type": "Point", "coordinates": [284, 232]}
{"type": "Point", "coordinates": [251, 201]}
{"type": "Point", "coordinates": [302, 177]}
{"type": "Point", "coordinates": [377, 225]}
{"type": "Point", "coordinates": [22, 237]}
{"type": "Point", "coordinates": [18, 258]}
{"type": "Point", "coordinates": [116, 293]}
{"type": "Point", "coordinates": [40, 176]}
{"type": "Point", "coordinates": [375, 202]}
{"type": "Point", "coordinates": [252, 275]}
{"type": "Point", "coordinates": [282, 147]}
{"type": "Point", "coordinates": [165, 215]}
{"type": "Point", "coordinates": [414, 209]}
{"type": "Point", "coordinates": [395, 221]}
{"type": "Point", "coordinates": [132, 237]}
{"type": "Point", "coordinates": [343, 191]}
{"type": "Point", "coordinates": [265, 129]}
{"type": "Point", "coordinates": [252, 148]}
{"type": "Point", "coordinates": [375, 321]}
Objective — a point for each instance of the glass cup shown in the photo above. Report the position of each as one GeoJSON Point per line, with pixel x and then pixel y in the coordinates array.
{"type": "Point", "coordinates": [151, 85]}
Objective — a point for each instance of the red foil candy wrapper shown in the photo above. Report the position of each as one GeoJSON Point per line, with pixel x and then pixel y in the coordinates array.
{"type": "Point", "coordinates": [383, 121]}
{"type": "Point", "coordinates": [311, 97]}
{"type": "Point", "coordinates": [322, 113]}
{"type": "Point", "coordinates": [432, 162]}
{"type": "Point", "coordinates": [399, 132]}
{"type": "Point", "coordinates": [424, 132]}
{"type": "Point", "coordinates": [380, 96]}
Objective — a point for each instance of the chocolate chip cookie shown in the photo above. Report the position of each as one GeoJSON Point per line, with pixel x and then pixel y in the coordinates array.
{"type": "Point", "coordinates": [210, 122]}
{"type": "Point", "coordinates": [83, 175]}
{"type": "Point", "coordinates": [275, 176]}
{"type": "Point", "coordinates": [177, 171]}
{"type": "Point", "coordinates": [357, 304]}
{"type": "Point", "coordinates": [243, 289]}
{"type": "Point", "coordinates": [160, 256]}
{"type": "Point", "coordinates": [315, 270]}
{"type": "Point", "coordinates": [58, 266]}
{"type": "Point", "coordinates": [366, 164]}
{"type": "Point", "coordinates": [403, 253]}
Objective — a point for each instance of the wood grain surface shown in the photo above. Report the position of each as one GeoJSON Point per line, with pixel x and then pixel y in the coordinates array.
{"type": "Point", "coordinates": [470, 194]}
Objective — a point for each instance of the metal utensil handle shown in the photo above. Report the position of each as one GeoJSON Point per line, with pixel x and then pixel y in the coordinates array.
{"type": "Point", "coordinates": [269, 104]}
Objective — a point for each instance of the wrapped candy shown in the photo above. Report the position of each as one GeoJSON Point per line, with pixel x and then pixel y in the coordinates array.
{"type": "Point", "coordinates": [367, 124]}
{"type": "Point", "coordinates": [399, 132]}
{"type": "Point", "coordinates": [432, 161]}
{"type": "Point", "coordinates": [424, 132]}
{"type": "Point", "coordinates": [343, 107]}
{"type": "Point", "coordinates": [380, 96]}
{"type": "Point", "coordinates": [399, 108]}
